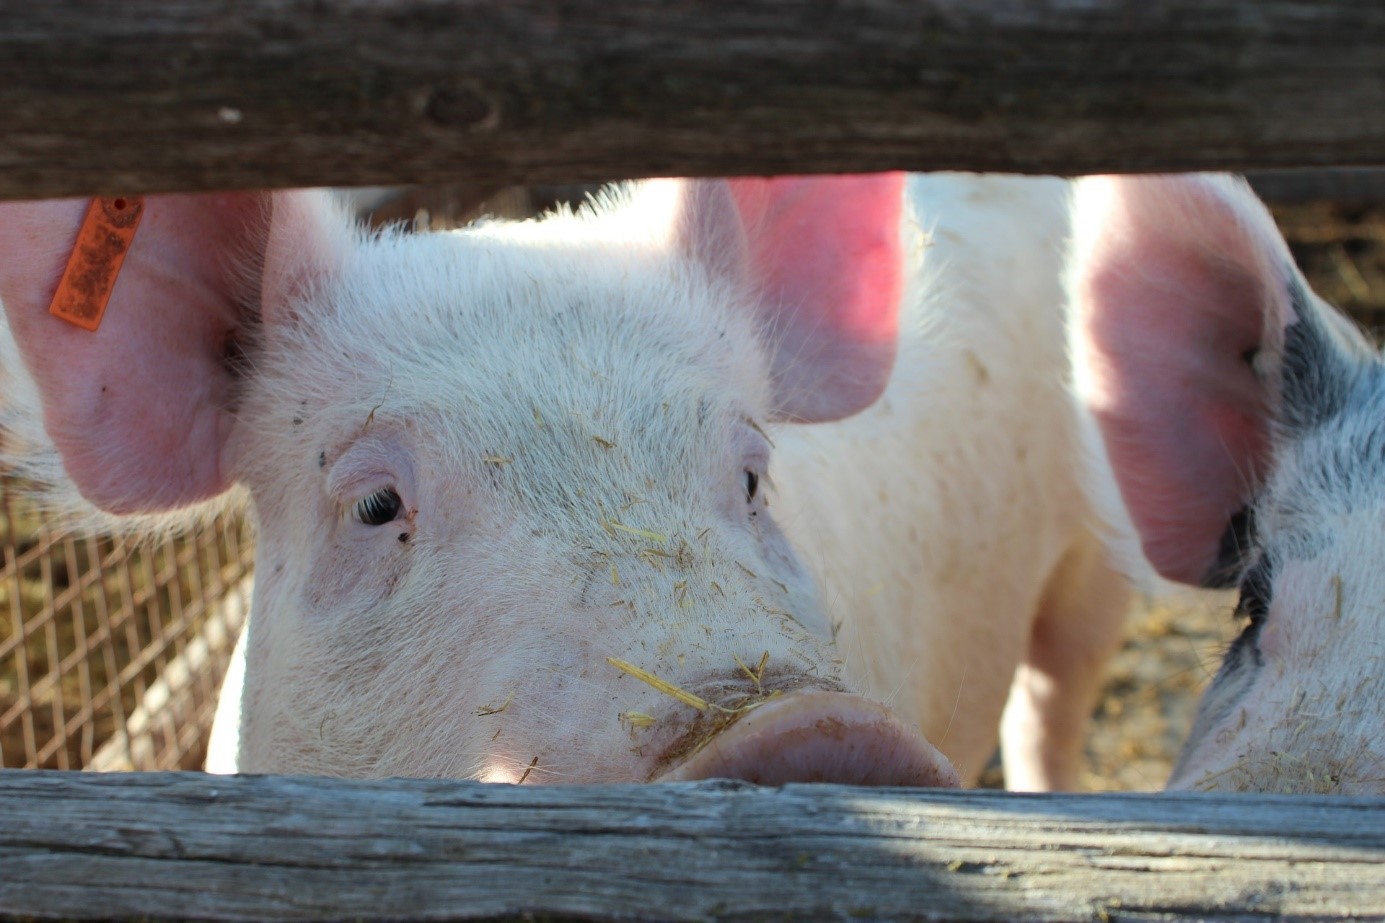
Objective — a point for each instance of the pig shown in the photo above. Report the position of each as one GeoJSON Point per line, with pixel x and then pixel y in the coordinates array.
{"type": "Point", "coordinates": [779, 479]}
{"type": "Point", "coordinates": [1245, 421]}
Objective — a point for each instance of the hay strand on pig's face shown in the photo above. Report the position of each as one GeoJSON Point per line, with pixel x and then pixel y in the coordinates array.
{"type": "Point", "coordinates": [692, 700]}
{"type": "Point", "coordinates": [667, 688]}
{"type": "Point", "coordinates": [611, 526]}
{"type": "Point", "coordinates": [637, 720]}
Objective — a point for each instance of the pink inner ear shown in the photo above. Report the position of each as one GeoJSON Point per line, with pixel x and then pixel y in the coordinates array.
{"type": "Point", "coordinates": [1177, 281]}
{"type": "Point", "coordinates": [138, 409]}
{"type": "Point", "coordinates": [827, 255]}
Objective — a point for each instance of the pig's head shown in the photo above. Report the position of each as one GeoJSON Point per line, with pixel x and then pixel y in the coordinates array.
{"type": "Point", "coordinates": [513, 483]}
{"type": "Point", "coordinates": [1245, 421]}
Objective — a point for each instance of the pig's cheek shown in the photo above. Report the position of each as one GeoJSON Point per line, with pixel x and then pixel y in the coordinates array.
{"type": "Point", "coordinates": [1214, 753]}
{"type": "Point", "coordinates": [1272, 641]}
{"type": "Point", "coordinates": [789, 576]}
{"type": "Point", "coordinates": [358, 575]}
{"type": "Point", "coordinates": [1230, 730]}
{"type": "Point", "coordinates": [1222, 713]}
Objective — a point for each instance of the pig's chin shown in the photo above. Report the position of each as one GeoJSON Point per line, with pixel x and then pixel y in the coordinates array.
{"type": "Point", "coordinates": [811, 736]}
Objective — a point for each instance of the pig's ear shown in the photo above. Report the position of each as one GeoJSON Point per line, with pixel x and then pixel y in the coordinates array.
{"type": "Point", "coordinates": [824, 257]}
{"type": "Point", "coordinates": [310, 234]}
{"type": "Point", "coordinates": [1191, 324]}
{"type": "Point", "coordinates": [141, 411]}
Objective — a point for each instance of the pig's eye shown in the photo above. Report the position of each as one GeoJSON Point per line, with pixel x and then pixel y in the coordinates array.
{"type": "Point", "coordinates": [752, 485]}
{"type": "Point", "coordinates": [379, 508]}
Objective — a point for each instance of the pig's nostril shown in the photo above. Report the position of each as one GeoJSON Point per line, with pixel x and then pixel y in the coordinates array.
{"type": "Point", "coordinates": [820, 737]}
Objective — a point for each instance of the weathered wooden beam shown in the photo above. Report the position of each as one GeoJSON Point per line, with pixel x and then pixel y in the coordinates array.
{"type": "Point", "coordinates": [149, 95]}
{"type": "Point", "coordinates": [1361, 185]}
{"type": "Point", "coordinates": [179, 845]}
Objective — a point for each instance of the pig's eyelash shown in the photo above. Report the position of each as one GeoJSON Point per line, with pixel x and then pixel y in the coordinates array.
{"type": "Point", "coordinates": [378, 508]}
{"type": "Point", "coordinates": [751, 482]}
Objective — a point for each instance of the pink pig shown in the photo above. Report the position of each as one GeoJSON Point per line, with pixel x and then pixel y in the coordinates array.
{"type": "Point", "coordinates": [802, 451]}
{"type": "Point", "coordinates": [1245, 420]}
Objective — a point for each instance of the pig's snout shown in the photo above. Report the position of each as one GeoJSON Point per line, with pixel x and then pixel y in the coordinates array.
{"type": "Point", "coordinates": [820, 737]}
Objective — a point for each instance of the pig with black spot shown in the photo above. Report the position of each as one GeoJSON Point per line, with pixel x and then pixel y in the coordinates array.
{"type": "Point", "coordinates": [1245, 420]}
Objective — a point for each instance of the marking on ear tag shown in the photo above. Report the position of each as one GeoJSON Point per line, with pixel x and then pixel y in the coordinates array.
{"type": "Point", "coordinates": [102, 242]}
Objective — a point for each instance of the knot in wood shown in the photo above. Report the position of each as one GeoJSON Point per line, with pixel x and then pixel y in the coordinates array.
{"type": "Point", "coordinates": [460, 105]}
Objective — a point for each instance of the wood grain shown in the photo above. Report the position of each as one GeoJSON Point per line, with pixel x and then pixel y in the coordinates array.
{"type": "Point", "coordinates": [178, 845]}
{"type": "Point", "coordinates": [161, 95]}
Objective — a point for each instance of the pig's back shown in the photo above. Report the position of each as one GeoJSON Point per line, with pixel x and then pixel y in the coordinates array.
{"type": "Point", "coordinates": [933, 520]}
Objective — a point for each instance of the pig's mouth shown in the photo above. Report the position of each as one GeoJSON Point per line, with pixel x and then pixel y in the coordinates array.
{"type": "Point", "coordinates": [811, 736]}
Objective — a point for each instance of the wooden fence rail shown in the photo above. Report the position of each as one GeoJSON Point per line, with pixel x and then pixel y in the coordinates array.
{"type": "Point", "coordinates": [159, 95]}
{"type": "Point", "coordinates": [182, 845]}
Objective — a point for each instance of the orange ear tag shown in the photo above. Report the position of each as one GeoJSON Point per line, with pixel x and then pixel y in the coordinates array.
{"type": "Point", "coordinates": [104, 239]}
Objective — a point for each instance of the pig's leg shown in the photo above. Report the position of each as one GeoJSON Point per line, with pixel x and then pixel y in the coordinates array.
{"type": "Point", "coordinates": [1076, 630]}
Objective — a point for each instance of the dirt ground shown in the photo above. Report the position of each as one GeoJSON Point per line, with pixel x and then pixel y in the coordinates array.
{"type": "Point", "coordinates": [1173, 646]}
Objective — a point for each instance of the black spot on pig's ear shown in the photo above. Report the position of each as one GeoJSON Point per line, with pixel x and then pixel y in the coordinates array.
{"type": "Point", "coordinates": [1316, 376]}
{"type": "Point", "coordinates": [1233, 551]}
{"type": "Point", "coordinates": [233, 357]}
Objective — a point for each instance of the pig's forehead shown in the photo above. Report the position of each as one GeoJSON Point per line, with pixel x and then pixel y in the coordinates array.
{"type": "Point", "coordinates": [563, 342]}
{"type": "Point", "coordinates": [546, 306]}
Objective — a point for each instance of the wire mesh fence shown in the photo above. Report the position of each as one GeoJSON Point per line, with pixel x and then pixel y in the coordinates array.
{"type": "Point", "coordinates": [112, 650]}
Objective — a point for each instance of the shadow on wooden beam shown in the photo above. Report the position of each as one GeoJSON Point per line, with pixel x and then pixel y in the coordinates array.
{"type": "Point", "coordinates": [177, 845]}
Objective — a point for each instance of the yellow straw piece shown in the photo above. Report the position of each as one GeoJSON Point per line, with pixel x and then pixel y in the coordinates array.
{"type": "Point", "coordinates": [643, 533]}
{"type": "Point", "coordinates": [667, 688]}
{"type": "Point", "coordinates": [748, 672]}
{"type": "Point", "coordinates": [493, 709]}
{"type": "Point", "coordinates": [756, 675]}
